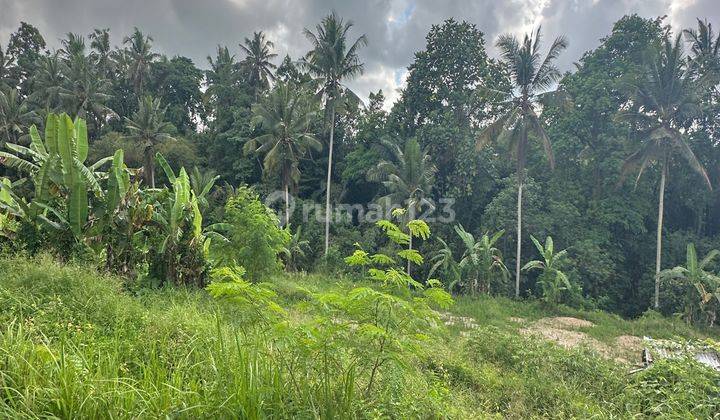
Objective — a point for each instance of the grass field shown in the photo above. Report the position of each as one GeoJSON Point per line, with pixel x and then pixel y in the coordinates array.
{"type": "Point", "coordinates": [77, 344]}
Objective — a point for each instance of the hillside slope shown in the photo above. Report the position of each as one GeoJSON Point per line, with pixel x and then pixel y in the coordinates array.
{"type": "Point", "coordinates": [78, 344]}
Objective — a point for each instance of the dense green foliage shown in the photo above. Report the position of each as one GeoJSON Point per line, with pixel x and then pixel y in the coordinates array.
{"type": "Point", "coordinates": [73, 344]}
{"type": "Point", "coordinates": [146, 175]}
{"type": "Point", "coordinates": [135, 99]}
{"type": "Point", "coordinates": [254, 239]}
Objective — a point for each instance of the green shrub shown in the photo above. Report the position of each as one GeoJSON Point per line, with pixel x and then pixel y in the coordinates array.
{"type": "Point", "coordinates": [254, 238]}
{"type": "Point", "coordinates": [679, 388]}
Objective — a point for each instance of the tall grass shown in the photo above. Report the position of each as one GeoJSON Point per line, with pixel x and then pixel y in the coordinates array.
{"type": "Point", "coordinates": [77, 344]}
{"type": "Point", "coordinates": [74, 345]}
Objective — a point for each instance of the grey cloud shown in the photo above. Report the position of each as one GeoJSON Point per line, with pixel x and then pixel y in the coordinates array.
{"type": "Point", "coordinates": [193, 28]}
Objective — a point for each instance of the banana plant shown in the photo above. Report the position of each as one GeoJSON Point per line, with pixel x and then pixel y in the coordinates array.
{"type": "Point", "coordinates": [119, 219]}
{"type": "Point", "coordinates": [295, 249]}
{"type": "Point", "coordinates": [185, 243]}
{"type": "Point", "coordinates": [481, 260]}
{"type": "Point", "coordinates": [552, 281]}
{"type": "Point", "coordinates": [703, 287]}
{"type": "Point", "coordinates": [8, 218]}
{"type": "Point", "coordinates": [57, 168]}
{"type": "Point", "coordinates": [444, 261]}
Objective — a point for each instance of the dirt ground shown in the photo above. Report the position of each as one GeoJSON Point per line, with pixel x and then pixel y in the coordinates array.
{"type": "Point", "coordinates": [625, 349]}
{"type": "Point", "coordinates": [565, 332]}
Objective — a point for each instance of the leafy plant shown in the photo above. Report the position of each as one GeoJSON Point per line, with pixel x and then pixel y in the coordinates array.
{"type": "Point", "coordinates": [390, 322]}
{"type": "Point", "coordinates": [60, 178]}
{"type": "Point", "coordinates": [255, 301]}
{"type": "Point", "coordinates": [481, 261]}
{"type": "Point", "coordinates": [552, 281]}
{"type": "Point", "coordinates": [121, 220]}
{"type": "Point", "coordinates": [178, 222]}
{"type": "Point", "coordinates": [295, 249]}
{"type": "Point", "coordinates": [702, 287]}
{"type": "Point", "coordinates": [255, 239]}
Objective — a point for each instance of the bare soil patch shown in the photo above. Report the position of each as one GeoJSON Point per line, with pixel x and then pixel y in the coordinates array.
{"type": "Point", "coordinates": [563, 331]}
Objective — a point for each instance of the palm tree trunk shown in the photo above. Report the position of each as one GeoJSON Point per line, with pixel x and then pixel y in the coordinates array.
{"type": "Point", "coordinates": [519, 238]}
{"type": "Point", "coordinates": [329, 175]}
{"type": "Point", "coordinates": [287, 206]}
{"type": "Point", "coordinates": [658, 254]}
{"type": "Point", "coordinates": [149, 169]}
{"type": "Point", "coordinates": [410, 248]}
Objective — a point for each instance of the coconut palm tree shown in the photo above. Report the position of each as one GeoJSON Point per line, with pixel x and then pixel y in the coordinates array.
{"type": "Point", "coordinates": [332, 60]}
{"type": "Point", "coordinates": [149, 128]}
{"type": "Point", "coordinates": [531, 76]}
{"type": "Point", "coordinates": [85, 92]}
{"type": "Point", "coordinates": [704, 49]}
{"type": "Point", "coordinates": [16, 115]}
{"type": "Point", "coordinates": [408, 178]}
{"type": "Point", "coordinates": [284, 116]}
{"type": "Point", "coordinates": [101, 51]}
{"type": "Point", "coordinates": [140, 56]}
{"type": "Point", "coordinates": [664, 99]}
{"type": "Point", "coordinates": [48, 81]}
{"type": "Point", "coordinates": [72, 46]}
{"type": "Point", "coordinates": [257, 62]}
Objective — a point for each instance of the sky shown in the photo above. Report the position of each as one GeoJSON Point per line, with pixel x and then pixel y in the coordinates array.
{"type": "Point", "coordinates": [395, 29]}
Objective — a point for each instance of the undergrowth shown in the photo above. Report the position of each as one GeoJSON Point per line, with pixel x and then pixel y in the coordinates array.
{"type": "Point", "coordinates": [78, 344]}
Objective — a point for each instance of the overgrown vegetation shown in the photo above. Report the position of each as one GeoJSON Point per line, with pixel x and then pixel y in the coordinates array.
{"type": "Point", "coordinates": [74, 344]}
{"type": "Point", "coordinates": [135, 286]}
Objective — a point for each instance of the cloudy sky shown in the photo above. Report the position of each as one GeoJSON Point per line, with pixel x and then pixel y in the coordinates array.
{"type": "Point", "coordinates": [395, 28]}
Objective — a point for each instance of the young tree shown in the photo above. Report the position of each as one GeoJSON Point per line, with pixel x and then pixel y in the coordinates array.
{"type": "Point", "coordinates": [285, 116]}
{"type": "Point", "coordinates": [148, 127]}
{"type": "Point", "coordinates": [531, 77]}
{"type": "Point", "coordinates": [332, 60]}
{"type": "Point", "coordinates": [408, 179]}
{"type": "Point", "coordinates": [257, 62]}
{"type": "Point", "coordinates": [664, 100]}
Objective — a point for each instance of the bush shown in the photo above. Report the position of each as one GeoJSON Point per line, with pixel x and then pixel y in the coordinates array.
{"type": "Point", "coordinates": [680, 388]}
{"type": "Point", "coordinates": [255, 240]}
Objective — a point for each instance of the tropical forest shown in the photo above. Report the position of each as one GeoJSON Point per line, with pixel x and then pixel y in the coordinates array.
{"type": "Point", "coordinates": [250, 237]}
